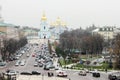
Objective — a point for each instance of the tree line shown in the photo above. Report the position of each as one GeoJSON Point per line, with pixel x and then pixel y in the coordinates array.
{"type": "Point", "coordinates": [11, 46]}
{"type": "Point", "coordinates": [84, 41]}
{"type": "Point", "coordinates": [81, 40]}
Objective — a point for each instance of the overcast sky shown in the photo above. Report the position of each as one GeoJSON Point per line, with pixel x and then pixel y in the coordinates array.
{"type": "Point", "coordinates": [75, 13]}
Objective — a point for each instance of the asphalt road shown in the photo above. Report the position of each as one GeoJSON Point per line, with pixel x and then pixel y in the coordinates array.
{"type": "Point", "coordinates": [29, 66]}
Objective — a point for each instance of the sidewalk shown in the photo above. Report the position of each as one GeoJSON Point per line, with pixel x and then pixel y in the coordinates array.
{"type": "Point", "coordinates": [35, 77]}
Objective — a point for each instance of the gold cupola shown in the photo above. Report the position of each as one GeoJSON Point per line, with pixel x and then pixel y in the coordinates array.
{"type": "Point", "coordinates": [58, 21]}
{"type": "Point", "coordinates": [43, 17]}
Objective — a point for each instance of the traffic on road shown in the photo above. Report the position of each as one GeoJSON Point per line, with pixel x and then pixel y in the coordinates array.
{"type": "Point", "coordinates": [37, 60]}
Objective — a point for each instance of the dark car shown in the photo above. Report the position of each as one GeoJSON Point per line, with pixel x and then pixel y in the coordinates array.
{"type": "Point", "coordinates": [40, 65]}
{"type": "Point", "coordinates": [46, 68]}
{"type": "Point", "coordinates": [35, 73]}
{"type": "Point", "coordinates": [96, 74]}
{"type": "Point", "coordinates": [26, 73]}
{"type": "Point", "coordinates": [114, 76]}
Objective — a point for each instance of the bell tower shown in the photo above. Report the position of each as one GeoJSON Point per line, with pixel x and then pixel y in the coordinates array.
{"type": "Point", "coordinates": [44, 32]}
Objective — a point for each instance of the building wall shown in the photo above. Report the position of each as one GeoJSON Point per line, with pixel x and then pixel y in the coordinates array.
{"type": "Point", "coordinates": [107, 35]}
{"type": "Point", "coordinates": [3, 29]}
{"type": "Point", "coordinates": [106, 32]}
{"type": "Point", "coordinates": [12, 32]}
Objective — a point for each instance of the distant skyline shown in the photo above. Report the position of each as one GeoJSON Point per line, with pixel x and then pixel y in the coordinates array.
{"type": "Point", "coordinates": [76, 13]}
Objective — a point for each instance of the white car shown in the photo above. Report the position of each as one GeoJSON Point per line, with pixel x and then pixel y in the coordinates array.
{"type": "Point", "coordinates": [28, 55]}
{"type": "Point", "coordinates": [82, 72]}
{"type": "Point", "coordinates": [17, 63]}
{"type": "Point", "coordinates": [61, 73]}
{"type": "Point", "coordinates": [11, 72]}
{"type": "Point", "coordinates": [36, 64]}
{"type": "Point", "coordinates": [22, 62]}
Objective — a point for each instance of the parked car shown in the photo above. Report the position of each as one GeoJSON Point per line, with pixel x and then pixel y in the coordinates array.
{"type": "Point", "coordinates": [36, 64]}
{"type": "Point", "coordinates": [87, 71]}
{"type": "Point", "coordinates": [35, 73]}
{"type": "Point", "coordinates": [28, 55]}
{"type": "Point", "coordinates": [11, 72]}
{"type": "Point", "coordinates": [2, 63]}
{"type": "Point", "coordinates": [40, 65]}
{"type": "Point", "coordinates": [82, 72]}
{"type": "Point", "coordinates": [26, 73]}
{"type": "Point", "coordinates": [46, 68]}
{"type": "Point", "coordinates": [33, 55]}
{"type": "Point", "coordinates": [23, 62]}
{"type": "Point", "coordinates": [96, 74]}
{"type": "Point", "coordinates": [114, 76]}
{"type": "Point", "coordinates": [17, 63]}
{"type": "Point", "coordinates": [61, 73]}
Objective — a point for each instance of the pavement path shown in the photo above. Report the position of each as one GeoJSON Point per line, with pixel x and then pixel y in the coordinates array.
{"type": "Point", "coordinates": [40, 77]}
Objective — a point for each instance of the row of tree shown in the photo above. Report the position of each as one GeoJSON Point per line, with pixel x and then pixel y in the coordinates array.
{"type": "Point", "coordinates": [11, 46]}
{"type": "Point", "coordinates": [81, 40]}
{"type": "Point", "coordinates": [85, 41]}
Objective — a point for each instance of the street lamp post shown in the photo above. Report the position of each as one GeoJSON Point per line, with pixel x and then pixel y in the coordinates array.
{"type": "Point", "coordinates": [42, 76]}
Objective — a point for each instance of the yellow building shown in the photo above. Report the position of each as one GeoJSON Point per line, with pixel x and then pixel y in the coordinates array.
{"type": "Point", "coordinates": [10, 30]}
{"type": "Point", "coordinates": [108, 32]}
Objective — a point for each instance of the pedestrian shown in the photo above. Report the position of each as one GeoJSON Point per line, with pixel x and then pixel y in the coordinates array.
{"type": "Point", "coordinates": [106, 70]}
{"type": "Point", "coordinates": [52, 74]}
{"type": "Point", "coordinates": [48, 74]}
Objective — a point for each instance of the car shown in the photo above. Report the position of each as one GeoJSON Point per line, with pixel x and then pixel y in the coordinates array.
{"type": "Point", "coordinates": [46, 68]}
{"type": "Point", "coordinates": [36, 64]}
{"type": "Point", "coordinates": [114, 76]}
{"type": "Point", "coordinates": [87, 71]}
{"type": "Point", "coordinates": [11, 72]}
{"type": "Point", "coordinates": [17, 63]}
{"type": "Point", "coordinates": [61, 73]}
{"type": "Point", "coordinates": [26, 73]}
{"type": "Point", "coordinates": [40, 65]}
{"type": "Point", "coordinates": [2, 63]}
{"type": "Point", "coordinates": [35, 73]}
{"type": "Point", "coordinates": [23, 62]}
{"type": "Point", "coordinates": [96, 74]}
{"type": "Point", "coordinates": [57, 68]}
{"type": "Point", "coordinates": [28, 55]}
{"type": "Point", "coordinates": [17, 57]}
{"type": "Point", "coordinates": [82, 72]}
{"type": "Point", "coordinates": [33, 55]}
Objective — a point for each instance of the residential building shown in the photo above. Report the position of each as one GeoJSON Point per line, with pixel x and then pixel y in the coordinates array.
{"type": "Point", "coordinates": [108, 32]}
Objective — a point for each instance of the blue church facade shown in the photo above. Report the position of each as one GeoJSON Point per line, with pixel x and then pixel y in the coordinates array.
{"type": "Point", "coordinates": [44, 32]}
{"type": "Point", "coordinates": [51, 31]}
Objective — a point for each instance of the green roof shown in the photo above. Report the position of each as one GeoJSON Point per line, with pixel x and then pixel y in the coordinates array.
{"type": "Point", "coordinates": [29, 30]}
{"type": "Point", "coordinates": [2, 32]}
{"type": "Point", "coordinates": [6, 24]}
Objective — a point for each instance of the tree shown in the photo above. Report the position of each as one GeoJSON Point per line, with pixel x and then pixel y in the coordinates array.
{"type": "Point", "coordinates": [11, 46]}
{"type": "Point", "coordinates": [116, 52]}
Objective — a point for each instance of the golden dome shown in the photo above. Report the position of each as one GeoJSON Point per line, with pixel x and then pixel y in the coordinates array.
{"type": "Point", "coordinates": [58, 21]}
{"type": "Point", "coordinates": [43, 17]}
{"type": "Point", "coordinates": [63, 24]}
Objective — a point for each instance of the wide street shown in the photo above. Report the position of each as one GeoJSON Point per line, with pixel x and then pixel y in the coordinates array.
{"type": "Point", "coordinates": [29, 66]}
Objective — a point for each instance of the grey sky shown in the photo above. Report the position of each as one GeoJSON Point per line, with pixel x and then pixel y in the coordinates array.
{"type": "Point", "coordinates": [75, 13]}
